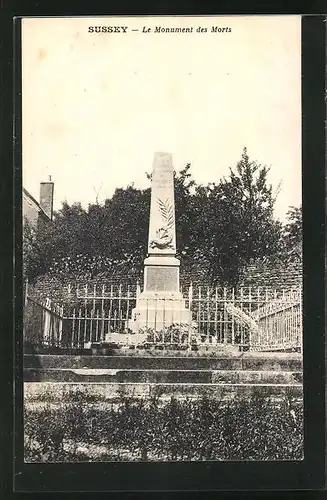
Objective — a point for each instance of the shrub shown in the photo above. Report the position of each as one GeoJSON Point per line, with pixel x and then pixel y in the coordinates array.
{"type": "Point", "coordinates": [244, 428]}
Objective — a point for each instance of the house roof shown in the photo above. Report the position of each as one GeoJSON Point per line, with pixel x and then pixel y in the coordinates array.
{"type": "Point", "coordinates": [33, 200]}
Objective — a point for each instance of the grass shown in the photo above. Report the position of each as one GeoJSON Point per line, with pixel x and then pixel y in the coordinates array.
{"type": "Point", "coordinates": [130, 429]}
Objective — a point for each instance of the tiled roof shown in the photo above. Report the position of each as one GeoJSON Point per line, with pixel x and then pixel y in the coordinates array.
{"type": "Point", "coordinates": [33, 200]}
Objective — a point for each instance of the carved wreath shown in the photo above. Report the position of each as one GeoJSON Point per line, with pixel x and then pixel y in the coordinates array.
{"type": "Point", "coordinates": [164, 234]}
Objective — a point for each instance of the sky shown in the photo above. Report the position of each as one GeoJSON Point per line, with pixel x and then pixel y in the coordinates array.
{"type": "Point", "coordinates": [97, 106]}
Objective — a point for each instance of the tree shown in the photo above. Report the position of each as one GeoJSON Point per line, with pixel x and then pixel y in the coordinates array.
{"type": "Point", "coordinates": [128, 222]}
{"type": "Point", "coordinates": [30, 251]}
{"type": "Point", "coordinates": [292, 232]}
{"type": "Point", "coordinates": [240, 224]}
{"type": "Point", "coordinates": [220, 228]}
{"type": "Point", "coordinates": [39, 248]}
{"type": "Point", "coordinates": [184, 210]}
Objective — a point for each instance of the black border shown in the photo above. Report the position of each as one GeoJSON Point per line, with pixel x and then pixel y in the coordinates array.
{"type": "Point", "coordinates": [305, 475]}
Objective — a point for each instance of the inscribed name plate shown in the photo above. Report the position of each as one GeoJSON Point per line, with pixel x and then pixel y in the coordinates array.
{"type": "Point", "coordinates": [162, 233]}
{"type": "Point", "coordinates": [163, 279]}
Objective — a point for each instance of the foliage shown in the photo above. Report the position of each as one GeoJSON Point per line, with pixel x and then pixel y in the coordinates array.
{"type": "Point", "coordinates": [174, 334]}
{"type": "Point", "coordinates": [243, 428]}
{"type": "Point", "coordinates": [292, 232]}
{"type": "Point", "coordinates": [239, 225]}
{"type": "Point", "coordinates": [220, 228]}
{"type": "Point", "coordinates": [36, 249]}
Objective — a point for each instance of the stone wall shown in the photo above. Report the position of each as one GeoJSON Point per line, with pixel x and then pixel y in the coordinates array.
{"type": "Point", "coordinates": [276, 275]}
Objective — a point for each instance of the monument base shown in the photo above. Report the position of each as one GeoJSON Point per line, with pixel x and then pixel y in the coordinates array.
{"type": "Point", "coordinates": [161, 274]}
{"type": "Point", "coordinates": [161, 304]}
{"type": "Point", "coordinates": [157, 311]}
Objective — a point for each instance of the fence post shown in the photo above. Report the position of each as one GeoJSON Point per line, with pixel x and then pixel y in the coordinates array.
{"type": "Point", "coordinates": [25, 306]}
{"type": "Point", "coordinates": [73, 327]}
{"type": "Point", "coordinates": [225, 318]}
{"type": "Point", "coordinates": [26, 292]}
{"type": "Point", "coordinates": [250, 314]}
{"type": "Point", "coordinates": [208, 315]}
{"type": "Point", "coordinates": [126, 322]}
{"type": "Point", "coordinates": [233, 319]}
{"type": "Point", "coordinates": [61, 315]}
{"type": "Point", "coordinates": [94, 295]}
{"type": "Point", "coordinates": [216, 315]}
{"type": "Point", "coordinates": [119, 307]}
{"type": "Point", "coordinates": [301, 320]}
{"type": "Point", "coordinates": [199, 311]}
{"type": "Point", "coordinates": [190, 297]}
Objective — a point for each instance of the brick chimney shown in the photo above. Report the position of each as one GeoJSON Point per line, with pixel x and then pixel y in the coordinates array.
{"type": "Point", "coordinates": [46, 197]}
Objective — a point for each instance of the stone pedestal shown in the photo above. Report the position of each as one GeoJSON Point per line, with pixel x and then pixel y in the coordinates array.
{"type": "Point", "coordinates": [161, 304]}
{"type": "Point", "coordinates": [161, 274]}
{"type": "Point", "coordinates": [159, 311]}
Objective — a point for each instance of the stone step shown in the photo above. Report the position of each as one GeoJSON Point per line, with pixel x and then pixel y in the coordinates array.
{"type": "Point", "coordinates": [162, 376]}
{"type": "Point", "coordinates": [246, 361]}
{"type": "Point", "coordinates": [54, 391]}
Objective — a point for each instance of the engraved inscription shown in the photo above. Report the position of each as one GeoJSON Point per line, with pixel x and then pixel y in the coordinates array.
{"type": "Point", "coordinates": [162, 179]}
{"type": "Point", "coordinates": [163, 279]}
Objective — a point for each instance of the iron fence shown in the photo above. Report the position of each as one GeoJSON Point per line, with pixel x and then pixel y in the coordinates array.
{"type": "Point", "coordinates": [251, 318]}
{"type": "Point", "coordinates": [43, 322]}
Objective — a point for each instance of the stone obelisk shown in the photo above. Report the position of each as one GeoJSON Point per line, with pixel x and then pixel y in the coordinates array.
{"type": "Point", "coordinates": [161, 304]}
{"type": "Point", "coordinates": [161, 271]}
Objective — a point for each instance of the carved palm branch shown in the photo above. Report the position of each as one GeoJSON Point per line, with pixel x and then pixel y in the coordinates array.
{"type": "Point", "coordinates": [167, 212]}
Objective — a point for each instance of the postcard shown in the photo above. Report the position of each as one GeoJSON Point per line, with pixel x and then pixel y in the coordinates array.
{"type": "Point", "coordinates": [162, 239]}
